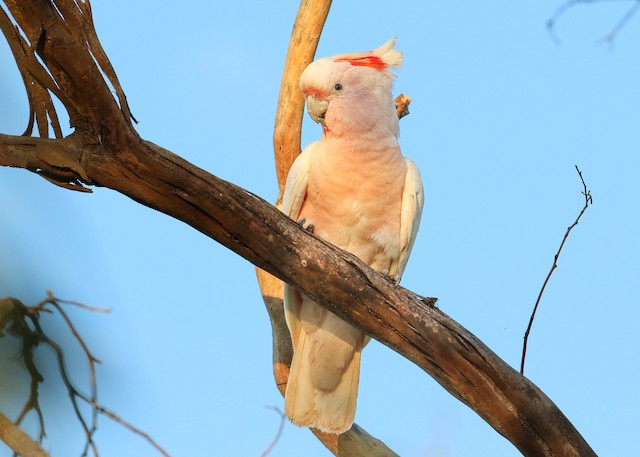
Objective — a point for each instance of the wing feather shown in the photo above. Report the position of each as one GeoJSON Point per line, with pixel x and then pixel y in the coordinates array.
{"type": "Point", "coordinates": [295, 189]}
{"type": "Point", "coordinates": [410, 213]}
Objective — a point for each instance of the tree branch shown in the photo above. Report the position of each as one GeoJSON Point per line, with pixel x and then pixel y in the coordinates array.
{"type": "Point", "coordinates": [21, 443]}
{"type": "Point", "coordinates": [54, 160]}
{"type": "Point", "coordinates": [305, 36]}
{"type": "Point", "coordinates": [251, 227]}
{"type": "Point", "coordinates": [111, 154]}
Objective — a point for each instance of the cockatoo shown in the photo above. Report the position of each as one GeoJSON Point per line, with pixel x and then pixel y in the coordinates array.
{"type": "Point", "coordinates": [354, 189]}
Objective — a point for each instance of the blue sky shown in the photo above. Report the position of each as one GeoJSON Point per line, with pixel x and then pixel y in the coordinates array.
{"type": "Point", "coordinates": [500, 116]}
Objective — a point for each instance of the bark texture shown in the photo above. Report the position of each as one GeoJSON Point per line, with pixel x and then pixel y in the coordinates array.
{"type": "Point", "coordinates": [19, 441]}
{"type": "Point", "coordinates": [105, 150]}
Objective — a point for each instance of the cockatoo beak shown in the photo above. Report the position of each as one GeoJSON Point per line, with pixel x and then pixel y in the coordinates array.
{"type": "Point", "coordinates": [316, 108]}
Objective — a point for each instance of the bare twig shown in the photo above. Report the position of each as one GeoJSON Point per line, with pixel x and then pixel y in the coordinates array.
{"type": "Point", "coordinates": [24, 322]}
{"type": "Point", "coordinates": [92, 361]}
{"type": "Point", "coordinates": [116, 418]}
{"type": "Point", "coordinates": [588, 200]}
{"type": "Point", "coordinates": [610, 37]}
{"type": "Point", "coordinates": [30, 339]}
{"type": "Point", "coordinates": [622, 23]}
{"type": "Point", "coordinates": [280, 429]}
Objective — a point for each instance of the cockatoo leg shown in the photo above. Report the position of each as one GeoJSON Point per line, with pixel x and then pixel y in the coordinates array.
{"type": "Point", "coordinates": [393, 279]}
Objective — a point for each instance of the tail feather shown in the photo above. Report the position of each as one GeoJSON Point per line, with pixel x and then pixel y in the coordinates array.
{"type": "Point", "coordinates": [323, 380]}
{"type": "Point", "coordinates": [337, 409]}
{"type": "Point", "coordinates": [300, 394]}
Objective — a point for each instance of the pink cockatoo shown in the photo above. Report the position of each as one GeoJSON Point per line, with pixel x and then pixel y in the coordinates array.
{"type": "Point", "coordinates": [357, 191]}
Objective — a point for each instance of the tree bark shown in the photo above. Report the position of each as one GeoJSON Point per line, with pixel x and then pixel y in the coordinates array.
{"type": "Point", "coordinates": [19, 441]}
{"type": "Point", "coordinates": [105, 150]}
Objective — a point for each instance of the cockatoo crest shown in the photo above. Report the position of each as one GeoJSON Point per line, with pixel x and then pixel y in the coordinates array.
{"type": "Point", "coordinates": [381, 59]}
{"type": "Point", "coordinates": [350, 94]}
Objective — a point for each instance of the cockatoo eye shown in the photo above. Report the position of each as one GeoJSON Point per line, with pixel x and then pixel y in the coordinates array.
{"type": "Point", "coordinates": [338, 87]}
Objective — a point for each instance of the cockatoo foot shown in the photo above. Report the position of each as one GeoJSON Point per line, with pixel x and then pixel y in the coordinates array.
{"type": "Point", "coordinates": [393, 279]}
{"type": "Point", "coordinates": [309, 228]}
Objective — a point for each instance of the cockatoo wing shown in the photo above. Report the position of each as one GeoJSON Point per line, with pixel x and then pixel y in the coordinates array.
{"type": "Point", "coordinates": [295, 189]}
{"type": "Point", "coordinates": [410, 213]}
{"type": "Point", "coordinates": [323, 381]}
{"type": "Point", "coordinates": [295, 192]}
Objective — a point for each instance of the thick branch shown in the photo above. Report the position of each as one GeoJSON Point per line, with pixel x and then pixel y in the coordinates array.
{"type": "Point", "coordinates": [54, 160]}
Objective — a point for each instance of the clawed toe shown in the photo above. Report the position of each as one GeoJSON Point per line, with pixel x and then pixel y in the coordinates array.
{"type": "Point", "coordinates": [393, 279]}
{"type": "Point", "coordinates": [309, 228]}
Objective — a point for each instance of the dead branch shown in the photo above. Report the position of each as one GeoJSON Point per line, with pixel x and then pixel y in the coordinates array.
{"type": "Point", "coordinates": [588, 200]}
{"type": "Point", "coordinates": [610, 37]}
{"type": "Point", "coordinates": [105, 150]}
{"type": "Point", "coordinates": [24, 323]}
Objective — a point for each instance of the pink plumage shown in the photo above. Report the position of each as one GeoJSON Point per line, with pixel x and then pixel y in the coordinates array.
{"type": "Point", "coordinates": [359, 193]}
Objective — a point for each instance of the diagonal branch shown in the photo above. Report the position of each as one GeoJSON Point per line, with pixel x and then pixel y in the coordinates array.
{"type": "Point", "coordinates": [18, 440]}
{"type": "Point", "coordinates": [398, 318]}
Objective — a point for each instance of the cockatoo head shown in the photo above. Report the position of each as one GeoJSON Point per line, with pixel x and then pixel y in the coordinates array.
{"type": "Point", "coordinates": [351, 93]}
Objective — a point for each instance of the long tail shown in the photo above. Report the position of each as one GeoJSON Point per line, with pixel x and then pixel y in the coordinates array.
{"type": "Point", "coordinates": [323, 381]}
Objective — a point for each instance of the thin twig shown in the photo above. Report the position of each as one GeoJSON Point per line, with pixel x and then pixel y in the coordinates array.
{"type": "Point", "coordinates": [92, 361]}
{"type": "Point", "coordinates": [95, 309]}
{"type": "Point", "coordinates": [588, 200]}
{"type": "Point", "coordinates": [24, 322]}
{"type": "Point", "coordinates": [91, 400]}
{"type": "Point", "coordinates": [74, 394]}
{"type": "Point", "coordinates": [116, 418]}
{"type": "Point", "coordinates": [610, 37]}
{"type": "Point", "coordinates": [280, 429]}
{"type": "Point", "coordinates": [631, 12]}
{"type": "Point", "coordinates": [29, 339]}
